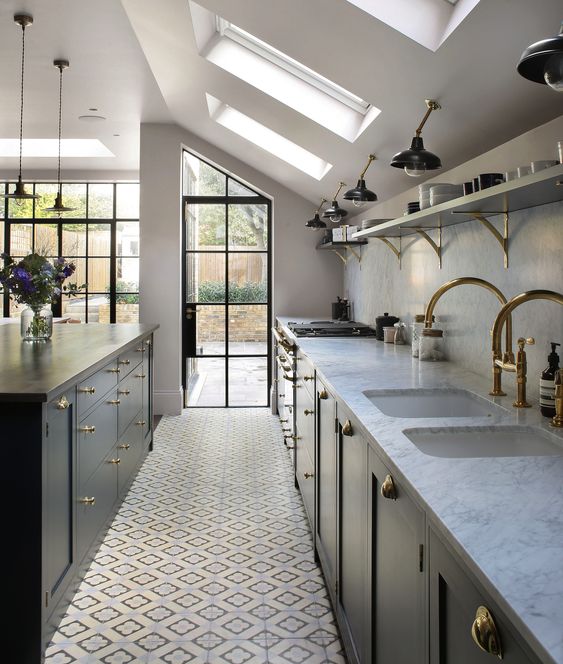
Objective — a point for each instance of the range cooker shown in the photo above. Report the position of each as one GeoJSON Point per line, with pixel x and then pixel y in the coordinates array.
{"type": "Point", "coordinates": [331, 328]}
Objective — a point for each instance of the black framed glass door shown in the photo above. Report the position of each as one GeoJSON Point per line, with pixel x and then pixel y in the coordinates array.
{"type": "Point", "coordinates": [226, 315]}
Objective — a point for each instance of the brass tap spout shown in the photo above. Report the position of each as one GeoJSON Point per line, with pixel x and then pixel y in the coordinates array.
{"type": "Point", "coordinates": [475, 281]}
{"type": "Point", "coordinates": [501, 363]}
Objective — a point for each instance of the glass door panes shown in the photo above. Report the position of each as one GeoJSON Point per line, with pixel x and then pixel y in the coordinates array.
{"type": "Point", "coordinates": [226, 287]}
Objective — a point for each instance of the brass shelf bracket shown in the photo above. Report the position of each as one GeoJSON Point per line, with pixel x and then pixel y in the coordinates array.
{"type": "Point", "coordinates": [393, 248]}
{"type": "Point", "coordinates": [345, 258]}
{"type": "Point", "coordinates": [437, 247]}
{"type": "Point", "coordinates": [501, 238]}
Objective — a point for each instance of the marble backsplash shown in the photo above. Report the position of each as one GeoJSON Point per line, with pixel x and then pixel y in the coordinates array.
{"type": "Point", "coordinates": [377, 285]}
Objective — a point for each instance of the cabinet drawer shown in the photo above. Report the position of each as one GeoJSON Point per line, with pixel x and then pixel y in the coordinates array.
{"type": "Point", "coordinates": [305, 374]}
{"type": "Point", "coordinates": [304, 472]}
{"type": "Point", "coordinates": [130, 359]}
{"type": "Point", "coordinates": [129, 451]}
{"type": "Point", "coordinates": [96, 498]}
{"type": "Point", "coordinates": [93, 388]}
{"type": "Point", "coordinates": [130, 397]}
{"type": "Point", "coordinates": [97, 434]}
{"type": "Point", "coordinates": [305, 419]}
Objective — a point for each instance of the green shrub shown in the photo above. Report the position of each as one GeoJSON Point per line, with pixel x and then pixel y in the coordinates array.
{"type": "Point", "coordinates": [214, 291]}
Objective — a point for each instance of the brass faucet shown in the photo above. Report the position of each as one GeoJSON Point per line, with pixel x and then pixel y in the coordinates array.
{"type": "Point", "coordinates": [475, 281]}
{"type": "Point", "coordinates": [499, 361]}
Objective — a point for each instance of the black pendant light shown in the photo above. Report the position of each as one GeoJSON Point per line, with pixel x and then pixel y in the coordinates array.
{"type": "Point", "coordinates": [542, 62]}
{"type": "Point", "coordinates": [416, 161]}
{"type": "Point", "coordinates": [19, 193]}
{"type": "Point", "coordinates": [316, 223]}
{"type": "Point", "coordinates": [59, 207]}
{"type": "Point", "coordinates": [361, 195]}
{"type": "Point", "coordinates": [335, 213]}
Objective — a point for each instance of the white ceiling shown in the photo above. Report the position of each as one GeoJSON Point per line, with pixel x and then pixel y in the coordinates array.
{"type": "Point", "coordinates": [137, 61]}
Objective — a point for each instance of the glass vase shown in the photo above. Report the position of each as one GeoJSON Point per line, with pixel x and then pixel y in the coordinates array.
{"type": "Point", "coordinates": [36, 323]}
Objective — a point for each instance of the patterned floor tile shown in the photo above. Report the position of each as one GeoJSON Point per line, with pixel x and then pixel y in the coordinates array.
{"type": "Point", "coordinates": [209, 559]}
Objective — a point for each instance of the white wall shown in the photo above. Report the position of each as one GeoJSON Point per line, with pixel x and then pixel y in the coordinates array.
{"type": "Point", "coordinates": [536, 261]}
{"type": "Point", "coordinates": [305, 281]}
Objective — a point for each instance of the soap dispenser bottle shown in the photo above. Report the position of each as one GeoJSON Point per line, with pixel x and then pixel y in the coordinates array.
{"type": "Point", "coordinates": [547, 383]}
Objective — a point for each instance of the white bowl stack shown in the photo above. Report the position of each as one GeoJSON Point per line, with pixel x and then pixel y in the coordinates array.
{"type": "Point", "coordinates": [441, 193]}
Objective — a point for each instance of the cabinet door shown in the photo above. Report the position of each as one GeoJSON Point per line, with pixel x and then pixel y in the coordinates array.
{"type": "Point", "coordinates": [130, 397]}
{"type": "Point", "coordinates": [396, 554]}
{"type": "Point", "coordinates": [59, 497]}
{"type": "Point", "coordinates": [327, 484]}
{"type": "Point", "coordinates": [305, 476]}
{"type": "Point", "coordinates": [146, 373]}
{"type": "Point", "coordinates": [353, 593]}
{"type": "Point", "coordinates": [454, 600]}
{"type": "Point", "coordinates": [129, 451]}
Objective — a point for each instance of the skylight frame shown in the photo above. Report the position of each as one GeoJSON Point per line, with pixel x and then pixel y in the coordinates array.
{"type": "Point", "coordinates": [46, 148]}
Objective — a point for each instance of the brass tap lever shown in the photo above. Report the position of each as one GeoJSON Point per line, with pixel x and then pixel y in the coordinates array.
{"type": "Point", "coordinates": [557, 420]}
{"type": "Point", "coordinates": [521, 372]}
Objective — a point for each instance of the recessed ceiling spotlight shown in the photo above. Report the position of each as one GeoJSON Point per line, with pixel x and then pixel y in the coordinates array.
{"type": "Point", "coordinates": [117, 134]}
{"type": "Point", "coordinates": [92, 109]}
{"type": "Point", "coordinates": [91, 118]}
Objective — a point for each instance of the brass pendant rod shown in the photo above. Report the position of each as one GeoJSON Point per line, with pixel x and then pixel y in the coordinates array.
{"type": "Point", "coordinates": [371, 158]}
{"type": "Point", "coordinates": [342, 184]}
{"type": "Point", "coordinates": [432, 106]}
{"type": "Point", "coordinates": [323, 201]}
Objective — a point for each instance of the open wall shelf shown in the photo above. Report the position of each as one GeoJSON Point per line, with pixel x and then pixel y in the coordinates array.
{"type": "Point", "coordinates": [340, 248]}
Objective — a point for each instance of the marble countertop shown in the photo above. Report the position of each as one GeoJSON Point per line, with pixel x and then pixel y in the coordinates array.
{"type": "Point", "coordinates": [502, 515]}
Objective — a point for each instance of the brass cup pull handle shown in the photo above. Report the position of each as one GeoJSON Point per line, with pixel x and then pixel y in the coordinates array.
{"type": "Point", "coordinates": [308, 476]}
{"type": "Point", "coordinates": [139, 350]}
{"type": "Point", "coordinates": [388, 489]}
{"type": "Point", "coordinates": [308, 378]}
{"type": "Point", "coordinates": [126, 362]}
{"type": "Point", "coordinates": [115, 461]}
{"type": "Point", "coordinates": [87, 390]}
{"type": "Point", "coordinates": [114, 402]}
{"type": "Point", "coordinates": [308, 412]}
{"type": "Point", "coordinates": [281, 396]}
{"type": "Point", "coordinates": [286, 430]}
{"type": "Point", "coordinates": [87, 501]}
{"type": "Point", "coordinates": [323, 394]}
{"type": "Point", "coordinates": [141, 423]}
{"type": "Point", "coordinates": [347, 429]}
{"type": "Point", "coordinates": [289, 437]}
{"type": "Point", "coordinates": [125, 393]}
{"type": "Point", "coordinates": [485, 633]}
{"type": "Point", "coordinates": [284, 420]}
{"type": "Point", "coordinates": [290, 447]}
{"type": "Point", "coordinates": [63, 403]}
{"type": "Point", "coordinates": [116, 370]}
{"type": "Point", "coordinates": [140, 375]}
{"type": "Point", "coordinates": [123, 446]}
{"type": "Point", "coordinates": [288, 377]}
{"type": "Point", "coordinates": [87, 429]}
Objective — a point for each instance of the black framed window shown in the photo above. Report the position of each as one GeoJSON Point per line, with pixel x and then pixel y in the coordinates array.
{"type": "Point", "coordinates": [101, 236]}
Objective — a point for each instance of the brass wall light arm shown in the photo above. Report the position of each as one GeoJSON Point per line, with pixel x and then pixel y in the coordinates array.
{"type": "Point", "coordinates": [340, 185]}
{"type": "Point", "coordinates": [370, 159]}
{"type": "Point", "coordinates": [432, 105]}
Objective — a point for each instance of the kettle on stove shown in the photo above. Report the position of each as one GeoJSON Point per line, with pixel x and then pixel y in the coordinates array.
{"type": "Point", "coordinates": [384, 321]}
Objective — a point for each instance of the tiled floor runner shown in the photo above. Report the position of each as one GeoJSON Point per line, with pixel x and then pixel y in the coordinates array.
{"type": "Point", "coordinates": [209, 559]}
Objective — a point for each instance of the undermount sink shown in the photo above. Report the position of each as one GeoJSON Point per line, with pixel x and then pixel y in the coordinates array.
{"type": "Point", "coordinates": [507, 441]}
{"type": "Point", "coordinates": [440, 402]}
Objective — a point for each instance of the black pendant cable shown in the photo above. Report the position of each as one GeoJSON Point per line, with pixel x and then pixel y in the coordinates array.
{"type": "Point", "coordinates": [59, 207]}
{"type": "Point", "coordinates": [19, 193]}
{"type": "Point", "coordinates": [316, 223]}
{"type": "Point", "coordinates": [416, 160]}
{"type": "Point", "coordinates": [335, 213]}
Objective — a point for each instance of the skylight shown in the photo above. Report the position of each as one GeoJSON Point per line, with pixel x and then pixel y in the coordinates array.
{"type": "Point", "coordinates": [280, 76]}
{"type": "Point", "coordinates": [265, 138]}
{"type": "Point", "coordinates": [49, 147]}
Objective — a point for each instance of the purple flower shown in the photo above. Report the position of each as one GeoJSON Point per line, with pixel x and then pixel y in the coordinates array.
{"type": "Point", "coordinates": [68, 270]}
{"type": "Point", "coordinates": [20, 273]}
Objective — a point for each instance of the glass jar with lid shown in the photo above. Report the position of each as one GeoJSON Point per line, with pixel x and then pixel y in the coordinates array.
{"type": "Point", "coordinates": [416, 328]}
{"type": "Point", "coordinates": [431, 345]}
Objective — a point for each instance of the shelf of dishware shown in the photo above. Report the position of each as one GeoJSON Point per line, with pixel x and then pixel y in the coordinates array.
{"type": "Point", "coordinates": [525, 192]}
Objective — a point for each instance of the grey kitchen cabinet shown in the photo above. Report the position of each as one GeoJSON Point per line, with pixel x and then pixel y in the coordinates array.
{"type": "Point", "coordinates": [456, 599]}
{"type": "Point", "coordinates": [352, 605]}
{"type": "Point", "coordinates": [396, 553]}
{"type": "Point", "coordinates": [327, 485]}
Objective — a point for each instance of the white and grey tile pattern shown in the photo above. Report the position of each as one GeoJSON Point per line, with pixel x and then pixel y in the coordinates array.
{"type": "Point", "coordinates": [210, 558]}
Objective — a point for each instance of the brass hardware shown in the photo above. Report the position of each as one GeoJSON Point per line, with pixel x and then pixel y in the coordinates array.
{"type": "Point", "coordinates": [125, 361]}
{"type": "Point", "coordinates": [288, 377]}
{"type": "Point", "coordinates": [281, 396]}
{"type": "Point", "coordinates": [148, 342]}
{"type": "Point", "coordinates": [114, 402]}
{"type": "Point", "coordinates": [502, 239]}
{"type": "Point", "coordinates": [87, 390]}
{"type": "Point", "coordinates": [284, 420]}
{"type": "Point", "coordinates": [393, 248]}
{"type": "Point", "coordinates": [521, 372]}
{"type": "Point", "coordinates": [308, 476]}
{"type": "Point", "coordinates": [290, 447]}
{"type": "Point", "coordinates": [190, 312]}
{"type": "Point", "coordinates": [124, 392]}
{"type": "Point", "coordinates": [117, 370]}
{"type": "Point", "coordinates": [123, 446]}
{"type": "Point", "coordinates": [484, 632]}
{"type": "Point", "coordinates": [87, 429]}
{"type": "Point", "coordinates": [557, 420]}
{"type": "Point", "coordinates": [308, 378]}
{"type": "Point", "coordinates": [140, 375]}
{"type": "Point", "coordinates": [388, 489]}
{"type": "Point", "coordinates": [436, 247]}
{"type": "Point", "coordinates": [308, 412]}
{"type": "Point", "coordinates": [114, 461]}
{"type": "Point", "coordinates": [63, 403]}
{"type": "Point", "coordinates": [139, 350]}
{"type": "Point", "coordinates": [285, 430]}
{"type": "Point", "coordinates": [141, 423]}
{"type": "Point", "coordinates": [323, 394]}
{"type": "Point", "coordinates": [87, 501]}
{"type": "Point", "coordinates": [290, 436]}
{"type": "Point", "coordinates": [286, 345]}
{"type": "Point", "coordinates": [347, 429]}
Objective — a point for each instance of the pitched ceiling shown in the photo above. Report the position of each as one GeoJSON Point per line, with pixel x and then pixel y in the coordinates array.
{"type": "Point", "coordinates": [137, 60]}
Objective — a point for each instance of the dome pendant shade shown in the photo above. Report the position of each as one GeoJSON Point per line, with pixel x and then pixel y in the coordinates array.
{"type": "Point", "coordinates": [542, 62]}
{"type": "Point", "coordinates": [316, 223]}
{"type": "Point", "coordinates": [360, 193]}
{"type": "Point", "coordinates": [335, 213]}
{"type": "Point", "coordinates": [416, 158]}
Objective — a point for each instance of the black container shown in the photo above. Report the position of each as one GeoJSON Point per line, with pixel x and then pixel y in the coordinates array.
{"type": "Point", "coordinates": [341, 309]}
{"type": "Point", "coordinates": [384, 321]}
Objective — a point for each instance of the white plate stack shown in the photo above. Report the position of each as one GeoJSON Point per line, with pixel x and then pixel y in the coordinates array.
{"type": "Point", "coordinates": [369, 223]}
{"type": "Point", "coordinates": [441, 193]}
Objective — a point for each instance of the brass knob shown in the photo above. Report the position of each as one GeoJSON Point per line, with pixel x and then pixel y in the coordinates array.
{"type": "Point", "coordinates": [140, 375]}
{"type": "Point", "coordinates": [308, 476]}
{"type": "Point", "coordinates": [323, 394]}
{"type": "Point", "coordinates": [484, 632]}
{"type": "Point", "coordinates": [87, 390]}
{"type": "Point", "coordinates": [123, 446]}
{"type": "Point", "coordinates": [308, 378]}
{"type": "Point", "coordinates": [114, 402]}
{"type": "Point", "coordinates": [124, 392]}
{"type": "Point", "coordinates": [530, 341]}
{"type": "Point", "coordinates": [308, 412]}
{"type": "Point", "coordinates": [141, 423]}
{"type": "Point", "coordinates": [87, 429]}
{"type": "Point", "coordinates": [114, 461]}
{"type": "Point", "coordinates": [63, 403]}
{"type": "Point", "coordinates": [117, 370]}
{"type": "Point", "coordinates": [87, 501]}
{"type": "Point", "coordinates": [124, 362]}
{"type": "Point", "coordinates": [388, 489]}
{"type": "Point", "coordinates": [347, 429]}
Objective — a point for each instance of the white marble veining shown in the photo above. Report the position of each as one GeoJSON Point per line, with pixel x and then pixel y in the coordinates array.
{"type": "Point", "coordinates": [502, 515]}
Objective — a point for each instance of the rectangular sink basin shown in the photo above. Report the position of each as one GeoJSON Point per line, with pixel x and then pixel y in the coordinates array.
{"type": "Point", "coordinates": [464, 443]}
{"type": "Point", "coordinates": [440, 402]}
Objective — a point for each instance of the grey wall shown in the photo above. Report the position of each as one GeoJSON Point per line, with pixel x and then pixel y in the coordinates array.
{"type": "Point", "coordinates": [304, 280]}
{"type": "Point", "coordinates": [536, 261]}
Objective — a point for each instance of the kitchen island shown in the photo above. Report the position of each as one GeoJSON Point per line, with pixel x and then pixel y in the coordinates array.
{"type": "Point", "coordinates": [76, 422]}
{"type": "Point", "coordinates": [500, 516]}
